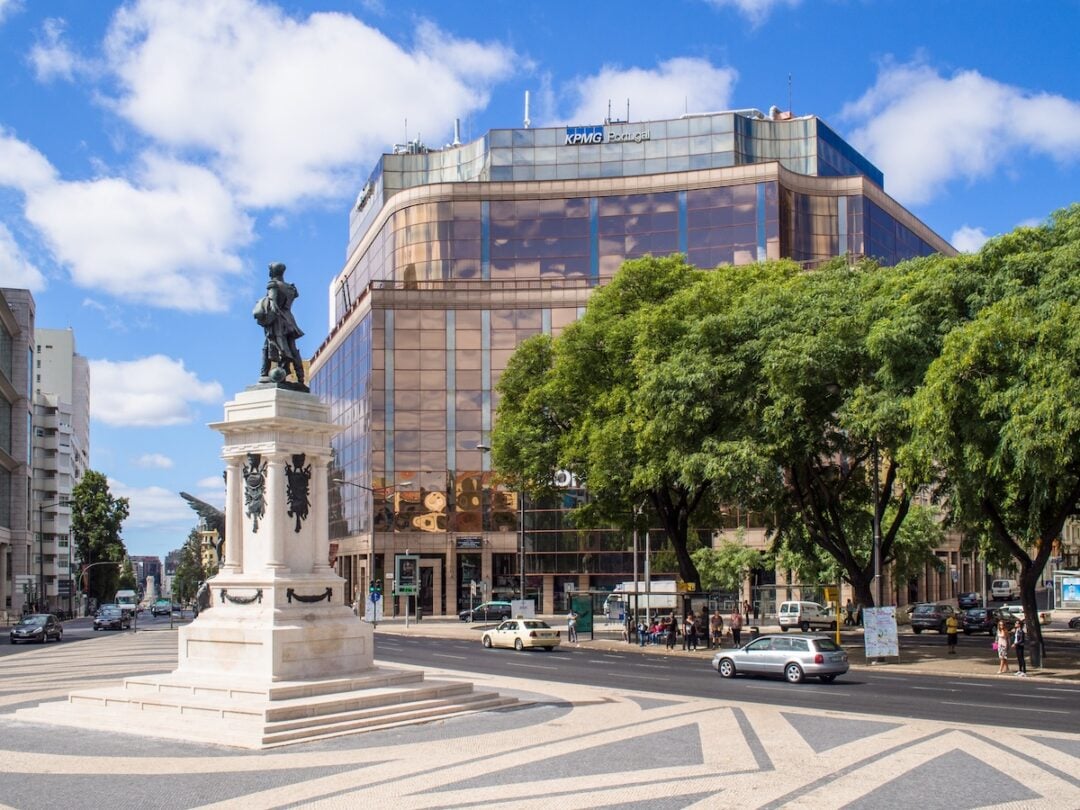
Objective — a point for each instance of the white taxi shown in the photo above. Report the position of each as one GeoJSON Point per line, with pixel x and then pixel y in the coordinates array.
{"type": "Point", "coordinates": [1017, 612]}
{"type": "Point", "coordinates": [522, 634]}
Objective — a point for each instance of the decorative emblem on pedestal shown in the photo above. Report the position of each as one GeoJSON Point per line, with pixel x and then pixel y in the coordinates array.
{"type": "Point", "coordinates": [255, 489]}
{"type": "Point", "coordinates": [297, 477]}
{"type": "Point", "coordinates": [241, 600]}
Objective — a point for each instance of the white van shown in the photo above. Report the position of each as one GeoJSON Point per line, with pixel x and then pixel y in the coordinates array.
{"type": "Point", "coordinates": [1004, 589]}
{"type": "Point", "coordinates": [805, 616]}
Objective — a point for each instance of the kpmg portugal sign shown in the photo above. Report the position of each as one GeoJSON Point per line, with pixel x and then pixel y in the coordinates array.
{"type": "Point", "coordinates": [579, 136]}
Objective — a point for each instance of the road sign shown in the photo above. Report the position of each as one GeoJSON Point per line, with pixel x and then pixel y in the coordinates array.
{"type": "Point", "coordinates": [375, 597]}
{"type": "Point", "coordinates": [373, 609]}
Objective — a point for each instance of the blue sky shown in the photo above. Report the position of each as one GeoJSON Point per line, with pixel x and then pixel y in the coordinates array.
{"type": "Point", "coordinates": [156, 155]}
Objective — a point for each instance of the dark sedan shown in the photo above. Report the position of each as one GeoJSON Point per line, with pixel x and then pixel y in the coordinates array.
{"type": "Point", "coordinates": [112, 620]}
{"type": "Point", "coordinates": [930, 617]}
{"type": "Point", "coordinates": [1074, 623]}
{"type": "Point", "coordinates": [38, 628]}
{"type": "Point", "coordinates": [983, 620]}
{"type": "Point", "coordinates": [969, 600]}
{"type": "Point", "coordinates": [488, 611]}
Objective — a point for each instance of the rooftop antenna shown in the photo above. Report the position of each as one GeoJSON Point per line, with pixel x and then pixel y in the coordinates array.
{"type": "Point", "coordinates": [608, 119]}
{"type": "Point", "coordinates": [628, 111]}
{"type": "Point", "coordinates": [457, 132]}
{"type": "Point", "coordinates": [528, 123]}
{"type": "Point", "coordinates": [789, 94]}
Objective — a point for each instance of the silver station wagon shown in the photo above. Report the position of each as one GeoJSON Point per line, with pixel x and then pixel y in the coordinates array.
{"type": "Point", "coordinates": [792, 657]}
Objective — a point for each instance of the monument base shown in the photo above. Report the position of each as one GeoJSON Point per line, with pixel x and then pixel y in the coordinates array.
{"type": "Point", "coordinates": [255, 715]}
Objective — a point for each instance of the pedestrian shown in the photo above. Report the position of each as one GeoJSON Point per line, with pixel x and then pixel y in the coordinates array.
{"type": "Point", "coordinates": [690, 632]}
{"type": "Point", "coordinates": [1001, 644]}
{"type": "Point", "coordinates": [849, 614]}
{"type": "Point", "coordinates": [951, 628]}
{"type": "Point", "coordinates": [642, 632]}
{"type": "Point", "coordinates": [716, 629]}
{"type": "Point", "coordinates": [571, 627]}
{"type": "Point", "coordinates": [672, 631]}
{"type": "Point", "coordinates": [736, 624]}
{"type": "Point", "coordinates": [746, 610]}
{"type": "Point", "coordinates": [1019, 638]}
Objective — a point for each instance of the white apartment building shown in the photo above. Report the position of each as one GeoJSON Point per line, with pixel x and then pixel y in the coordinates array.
{"type": "Point", "coordinates": [61, 452]}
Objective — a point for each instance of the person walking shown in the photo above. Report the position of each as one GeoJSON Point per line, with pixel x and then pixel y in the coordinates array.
{"type": "Point", "coordinates": [849, 614]}
{"type": "Point", "coordinates": [672, 631]}
{"type": "Point", "coordinates": [1019, 638]}
{"type": "Point", "coordinates": [746, 610]}
{"type": "Point", "coordinates": [571, 627]}
{"type": "Point", "coordinates": [1001, 644]}
{"type": "Point", "coordinates": [952, 626]}
{"type": "Point", "coordinates": [736, 623]}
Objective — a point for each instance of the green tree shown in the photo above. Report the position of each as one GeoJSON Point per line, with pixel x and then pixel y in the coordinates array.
{"type": "Point", "coordinates": [571, 403]}
{"type": "Point", "coordinates": [96, 521]}
{"type": "Point", "coordinates": [726, 566]}
{"type": "Point", "coordinates": [190, 573]}
{"type": "Point", "coordinates": [998, 420]}
{"type": "Point", "coordinates": [127, 576]}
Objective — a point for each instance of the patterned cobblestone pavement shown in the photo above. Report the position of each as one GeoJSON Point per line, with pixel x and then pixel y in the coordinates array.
{"type": "Point", "coordinates": [568, 747]}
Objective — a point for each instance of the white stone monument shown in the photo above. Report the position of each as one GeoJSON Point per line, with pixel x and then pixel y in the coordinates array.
{"type": "Point", "coordinates": [279, 658]}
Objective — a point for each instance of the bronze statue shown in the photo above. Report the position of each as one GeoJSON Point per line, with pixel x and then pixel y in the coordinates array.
{"type": "Point", "coordinates": [297, 478]}
{"type": "Point", "coordinates": [254, 489]}
{"type": "Point", "coordinates": [273, 313]}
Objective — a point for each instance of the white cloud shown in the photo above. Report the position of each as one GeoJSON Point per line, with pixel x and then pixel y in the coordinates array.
{"type": "Point", "coordinates": [211, 482]}
{"type": "Point", "coordinates": [289, 108]}
{"type": "Point", "coordinates": [673, 87]}
{"type": "Point", "coordinates": [168, 237]}
{"type": "Point", "coordinates": [52, 58]}
{"type": "Point", "coordinates": [968, 240]}
{"type": "Point", "coordinates": [152, 507]}
{"type": "Point", "coordinates": [154, 461]}
{"type": "Point", "coordinates": [9, 7]}
{"type": "Point", "coordinates": [15, 269]}
{"type": "Point", "coordinates": [925, 130]}
{"type": "Point", "coordinates": [153, 391]}
{"type": "Point", "coordinates": [756, 11]}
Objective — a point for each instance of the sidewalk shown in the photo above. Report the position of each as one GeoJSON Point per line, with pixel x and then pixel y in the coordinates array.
{"type": "Point", "coordinates": [926, 653]}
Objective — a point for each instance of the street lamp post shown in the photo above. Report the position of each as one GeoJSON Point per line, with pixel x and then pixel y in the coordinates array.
{"type": "Point", "coordinates": [371, 544]}
{"type": "Point", "coordinates": [41, 548]}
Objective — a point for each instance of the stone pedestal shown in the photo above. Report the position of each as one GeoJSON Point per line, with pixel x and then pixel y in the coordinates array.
{"type": "Point", "coordinates": [279, 612]}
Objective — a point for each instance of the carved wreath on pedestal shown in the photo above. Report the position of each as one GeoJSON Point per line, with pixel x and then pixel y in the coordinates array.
{"type": "Point", "coordinates": [297, 479]}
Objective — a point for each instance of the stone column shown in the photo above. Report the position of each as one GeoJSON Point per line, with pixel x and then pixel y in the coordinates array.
{"type": "Point", "coordinates": [234, 515]}
{"type": "Point", "coordinates": [275, 511]}
{"type": "Point", "coordinates": [319, 512]}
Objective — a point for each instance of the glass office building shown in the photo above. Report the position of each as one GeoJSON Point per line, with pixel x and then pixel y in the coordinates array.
{"type": "Point", "coordinates": [457, 255]}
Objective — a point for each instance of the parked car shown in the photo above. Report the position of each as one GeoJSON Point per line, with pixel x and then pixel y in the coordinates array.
{"type": "Point", "coordinates": [1074, 623]}
{"type": "Point", "coordinates": [969, 600]}
{"type": "Point", "coordinates": [903, 613]}
{"type": "Point", "coordinates": [806, 616]}
{"type": "Point", "coordinates": [162, 607]}
{"type": "Point", "coordinates": [1001, 589]}
{"type": "Point", "coordinates": [37, 627]}
{"type": "Point", "coordinates": [112, 619]}
{"type": "Point", "coordinates": [794, 658]}
{"type": "Point", "coordinates": [487, 612]}
{"type": "Point", "coordinates": [523, 634]}
{"type": "Point", "coordinates": [930, 616]}
{"type": "Point", "coordinates": [983, 620]}
{"type": "Point", "coordinates": [1017, 612]}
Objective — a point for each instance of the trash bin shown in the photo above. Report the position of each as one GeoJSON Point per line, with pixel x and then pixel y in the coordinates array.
{"type": "Point", "coordinates": [419, 614]}
{"type": "Point", "coordinates": [754, 632]}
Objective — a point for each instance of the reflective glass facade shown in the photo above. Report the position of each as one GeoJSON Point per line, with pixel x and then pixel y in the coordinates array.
{"type": "Point", "coordinates": [457, 256]}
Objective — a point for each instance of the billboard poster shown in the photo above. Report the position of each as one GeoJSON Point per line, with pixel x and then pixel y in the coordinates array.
{"type": "Point", "coordinates": [879, 632]}
{"type": "Point", "coordinates": [1070, 591]}
{"type": "Point", "coordinates": [407, 574]}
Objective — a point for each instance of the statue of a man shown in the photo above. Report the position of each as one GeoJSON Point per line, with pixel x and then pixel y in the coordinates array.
{"type": "Point", "coordinates": [274, 314]}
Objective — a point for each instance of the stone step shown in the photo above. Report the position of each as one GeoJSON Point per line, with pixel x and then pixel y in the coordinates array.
{"type": "Point", "coordinates": [237, 689]}
{"type": "Point", "coordinates": [382, 718]}
{"type": "Point", "coordinates": [253, 708]}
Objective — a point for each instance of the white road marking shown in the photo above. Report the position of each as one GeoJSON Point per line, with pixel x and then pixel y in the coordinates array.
{"type": "Point", "coordinates": [530, 666]}
{"type": "Point", "coordinates": [455, 657]}
{"type": "Point", "coordinates": [1012, 707]}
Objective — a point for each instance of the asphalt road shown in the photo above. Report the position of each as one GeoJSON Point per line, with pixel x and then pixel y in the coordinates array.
{"type": "Point", "coordinates": [1010, 701]}
{"type": "Point", "coordinates": [76, 630]}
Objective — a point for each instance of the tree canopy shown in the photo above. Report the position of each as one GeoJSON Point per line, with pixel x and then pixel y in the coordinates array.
{"type": "Point", "coordinates": [96, 521]}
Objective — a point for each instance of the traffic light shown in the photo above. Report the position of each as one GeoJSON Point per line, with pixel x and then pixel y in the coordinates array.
{"type": "Point", "coordinates": [375, 589]}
